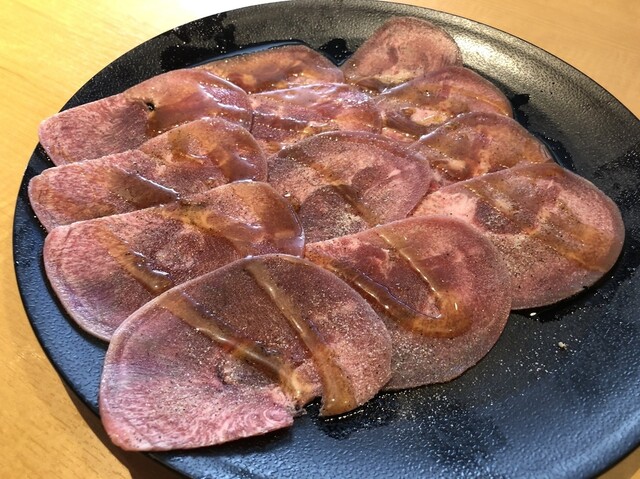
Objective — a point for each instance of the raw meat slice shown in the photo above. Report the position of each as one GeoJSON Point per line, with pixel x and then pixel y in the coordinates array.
{"type": "Point", "coordinates": [344, 182]}
{"type": "Point", "coordinates": [557, 232]}
{"type": "Point", "coordinates": [236, 352]}
{"type": "Point", "coordinates": [102, 270]}
{"type": "Point", "coordinates": [124, 121]}
{"type": "Point", "coordinates": [188, 159]}
{"type": "Point", "coordinates": [440, 287]}
{"type": "Point", "coordinates": [421, 105]}
{"type": "Point", "coordinates": [403, 48]}
{"type": "Point", "coordinates": [473, 144]}
{"type": "Point", "coordinates": [283, 117]}
{"type": "Point", "coordinates": [276, 68]}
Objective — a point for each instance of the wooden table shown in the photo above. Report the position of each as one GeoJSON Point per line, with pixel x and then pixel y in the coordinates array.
{"type": "Point", "coordinates": [50, 49]}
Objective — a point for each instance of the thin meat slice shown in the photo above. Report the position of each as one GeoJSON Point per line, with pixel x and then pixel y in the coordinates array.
{"type": "Point", "coordinates": [473, 144]}
{"type": "Point", "coordinates": [403, 48]}
{"type": "Point", "coordinates": [102, 270]}
{"type": "Point", "coordinates": [421, 105]}
{"type": "Point", "coordinates": [283, 117]}
{"type": "Point", "coordinates": [440, 287]}
{"type": "Point", "coordinates": [236, 353]}
{"type": "Point", "coordinates": [189, 159]}
{"type": "Point", "coordinates": [344, 182]}
{"type": "Point", "coordinates": [276, 68]}
{"type": "Point", "coordinates": [557, 232]}
{"type": "Point", "coordinates": [124, 121]}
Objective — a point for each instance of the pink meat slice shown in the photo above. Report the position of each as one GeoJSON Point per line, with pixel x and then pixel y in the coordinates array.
{"type": "Point", "coordinates": [344, 182]}
{"type": "Point", "coordinates": [557, 232]}
{"type": "Point", "coordinates": [440, 287]}
{"type": "Point", "coordinates": [189, 159]}
{"type": "Point", "coordinates": [102, 270]}
{"type": "Point", "coordinates": [283, 117]}
{"type": "Point", "coordinates": [237, 352]}
{"type": "Point", "coordinates": [276, 68]}
{"type": "Point", "coordinates": [421, 105]}
{"type": "Point", "coordinates": [403, 48]}
{"type": "Point", "coordinates": [473, 144]}
{"type": "Point", "coordinates": [124, 121]}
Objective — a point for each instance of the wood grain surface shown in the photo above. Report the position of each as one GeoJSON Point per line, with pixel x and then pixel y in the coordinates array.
{"type": "Point", "coordinates": [50, 48]}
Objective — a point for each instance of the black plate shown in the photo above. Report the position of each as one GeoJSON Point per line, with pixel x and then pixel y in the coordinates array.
{"type": "Point", "coordinates": [531, 407]}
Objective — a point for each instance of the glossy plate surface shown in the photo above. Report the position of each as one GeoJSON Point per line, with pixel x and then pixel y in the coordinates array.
{"type": "Point", "coordinates": [531, 408]}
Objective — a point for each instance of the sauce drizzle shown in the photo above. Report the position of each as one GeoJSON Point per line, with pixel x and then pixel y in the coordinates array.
{"type": "Point", "coordinates": [273, 223]}
{"type": "Point", "coordinates": [394, 306]}
{"type": "Point", "coordinates": [338, 394]}
{"type": "Point", "coordinates": [453, 319]}
{"type": "Point", "coordinates": [139, 266]}
{"type": "Point", "coordinates": [350, 194]}
{"type": "Point", "coordinates": [563, 233]}
{"type": "Point", "coordinates": [273, 365]}
{"type": "Point", "coordinates": [201, 96]}
{"type": "Point", "coordinates": [236, 159]}
{"type": "Point", "coordinates": [141, 192]}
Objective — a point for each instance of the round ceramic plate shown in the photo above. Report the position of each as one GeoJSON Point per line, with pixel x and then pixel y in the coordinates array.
{"type": "Point", "coordinates": [558, 394]}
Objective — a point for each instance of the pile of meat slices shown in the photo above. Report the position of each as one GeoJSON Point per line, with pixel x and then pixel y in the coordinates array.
{"type": "Point", "coordinates": [266, 229]}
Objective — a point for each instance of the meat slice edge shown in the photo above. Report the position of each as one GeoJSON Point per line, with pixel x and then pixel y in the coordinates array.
{"type": "Point", "coordinates": [419, 106]}
{"type": "Point", "coordinates": [102, 270]}
{"type": "Point", "coordinates": [166, 386]}
{"type": "Point", "coordinates": [126, 120]}
{"type": "Point", "coordinates": [276, 68]}
{"type": "Point", "coordinates": [173, 365]}
{"type": "Point", "coordinates": [558, 233]}
{"type": "Point", "coordinates": [401, 49]}
{"type": "Point", "coordinates": [473, 144]}
{"type": "Point", "coordinates": [189, 159]}
{"type": "Point", "coordinates": [344, 182]}
{"type": "Point", "coordinates": [440, 287]}
{"type": "Point", "coordinates": [284, 117]}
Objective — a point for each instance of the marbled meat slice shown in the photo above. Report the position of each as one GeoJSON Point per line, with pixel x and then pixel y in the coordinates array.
{"type": "Point", "coordinates": [283, 117]}
{"type": "Point", "coordinates": [344, 182]}
{"type": "Point", "coordinates": [557, 232]}
{"type": "Point", "coordinates": [237, 352]}
{"type": "Point", "coordinates": [188, 159]}
{"type": "Point", "coordinates": [124, 121]}
{"type": "Point", "coordinates": [421, 105]}
{"type": "Point", "coordinates": [403, 48]}
{"type": "Point", "coordinates": [276, 68]}
{"type": "Point", "coordinates": [102, 270]}
{"type": "Point", "coordinates": [440, 287]}
{"type": "Point", "coordinates": [473, 144]}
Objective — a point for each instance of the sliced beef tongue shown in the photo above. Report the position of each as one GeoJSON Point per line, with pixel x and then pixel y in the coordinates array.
{"type": "Point", "coordinates": [473, 144]}
{"type": "Point", "coordinates": [440, 287]}
{"type": "Point", "coordinates": [283, 117]}
{"type": "Point", "coordinates": [188, 159]}
{"type": "Point", "coordinates": [276, 68]}
{"type": "Point", "coordinates": [421, 105]}
{"type": "Point", "coordinates": [344, 182]}
{"type": "Point", "coordinates": [231, 147]}
{"type": "Point", "coordinates": [403, 48]}
{"type": "Point", "coordinates": [104, 269]}
{"type": "Point", "coordinates": [557, 232]}
{"type": "Point", "coordinates": [236, 352]}
{"type": "Point", "coordinates": [124, 121]}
